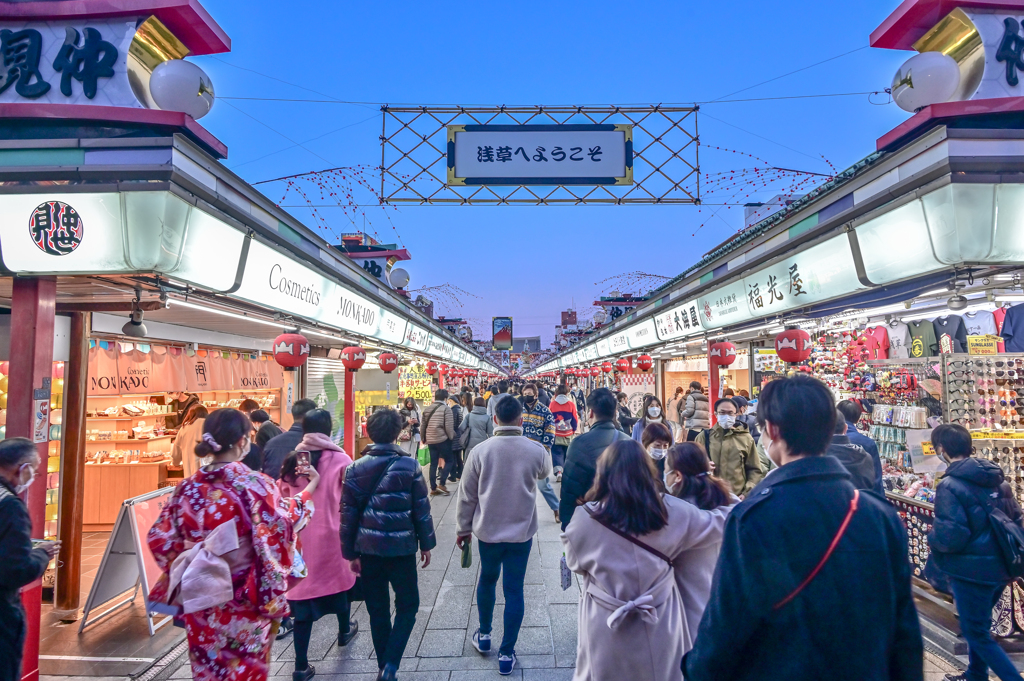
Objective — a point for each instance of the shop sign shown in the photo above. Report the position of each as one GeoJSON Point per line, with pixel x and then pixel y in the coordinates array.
{"type": "Point", "coordinates": [641, 335]}
{"type": "Point", "coordinates": [983, 345]}
{"type": "Point", "coordinates": [540, 155]}
{"type": "Point", "coordinates": [679, 322]}
{"type": "Point", "coordinates": [414, 382]}
{"type": "Point", "coordinates": [41, 420]}
{"type": "Point", "coordinates": [392, 327]}
{"type": "Point", "coordinates": [415, 337]}
{"type": "Point", "coordinates": [820, 273]}
{"type": "Point", "coordinates": [767, 360]}
{"type": "Point", "coordinates": [618, 343]}
{"type": "Point", "coordinates": [58, 62]}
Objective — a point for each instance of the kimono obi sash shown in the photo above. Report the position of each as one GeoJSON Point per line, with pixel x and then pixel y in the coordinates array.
{"type": "Point", "coordinates": [200, 577]}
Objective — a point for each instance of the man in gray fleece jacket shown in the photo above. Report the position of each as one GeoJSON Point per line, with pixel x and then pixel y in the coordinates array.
{"type": "Point", "coordinates": [498, 503]}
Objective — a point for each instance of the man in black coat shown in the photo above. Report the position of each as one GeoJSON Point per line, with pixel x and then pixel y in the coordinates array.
{"type": "Point", "coordinates": [855, 459]}
{"type": "Point", "coordinates": [21, 564]}
{"type": "Point", "coordinates": [385, 515]}
{"type": "Point", "coordinates": [282, 445]}
{"type": "Point", "coordinates": [771, 614]}
{"type": "Point", "coordinates": [584, 451]}
{"type": "Point", "coordinates": [964, 548]}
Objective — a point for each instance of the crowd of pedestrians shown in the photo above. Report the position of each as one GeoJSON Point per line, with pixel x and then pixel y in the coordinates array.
{"type": "Point", "coordinates": [693, 559]}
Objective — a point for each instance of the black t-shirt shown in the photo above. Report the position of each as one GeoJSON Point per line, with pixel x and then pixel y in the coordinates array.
{"type": "Point", "coordinates": [950, 334]}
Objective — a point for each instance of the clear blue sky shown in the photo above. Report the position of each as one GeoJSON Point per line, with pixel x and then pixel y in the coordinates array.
{"type": "Point", "coordinates": [532, 262]}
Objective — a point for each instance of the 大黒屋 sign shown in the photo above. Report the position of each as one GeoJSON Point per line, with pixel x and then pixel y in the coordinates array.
{"type": "Point", "coordinates": [540, 155]}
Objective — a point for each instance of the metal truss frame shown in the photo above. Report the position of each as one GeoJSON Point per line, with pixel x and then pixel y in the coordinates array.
{"type": "Point", "coordinates": [666, 168]}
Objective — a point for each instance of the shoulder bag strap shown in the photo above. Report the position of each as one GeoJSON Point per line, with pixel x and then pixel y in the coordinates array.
{"type": "Point", "coordinates": [828, 554]}
{"type": "Point", "coordinates": [630, 538]}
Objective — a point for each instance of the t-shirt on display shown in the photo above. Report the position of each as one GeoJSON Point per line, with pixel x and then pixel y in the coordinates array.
{"type": "Point", "coordinates": [922, 339]}
{"type": "Point", "coordinates": [1013, 329]}
{"type": "Point", "coordinates": [876, 339]}
{"type": "Point", "coordinates": [981, 323]}
{"type": "Point", "coordinates": [951, 334]}
{"type": "Point", "coordinates": [899, 340]}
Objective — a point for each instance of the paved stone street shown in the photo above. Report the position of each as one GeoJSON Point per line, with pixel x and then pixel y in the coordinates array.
{"type": "Point", "coordinates": [439, 648]}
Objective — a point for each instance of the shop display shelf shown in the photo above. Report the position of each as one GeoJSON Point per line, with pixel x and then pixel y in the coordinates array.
{"type": "Point", "coordinates": [128, 442]}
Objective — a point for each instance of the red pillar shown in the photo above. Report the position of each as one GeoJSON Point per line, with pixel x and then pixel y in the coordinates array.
{"type": "Point", "coordinates": [350, 424]}
{"type": "Point", "coordinates": [32, 316]}
{"type": "Point", "coordinates": [712, 388]}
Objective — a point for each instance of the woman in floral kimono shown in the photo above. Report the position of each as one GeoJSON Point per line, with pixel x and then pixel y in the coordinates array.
{"type": "Point", "coordinates": [226, 544]}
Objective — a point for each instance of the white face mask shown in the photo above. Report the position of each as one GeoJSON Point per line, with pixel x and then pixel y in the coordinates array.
{"type": "Point", "coordinates": [18, 489]}
{"type": "Point", "coordinates": [657, 453]}
{"type": "Point", "coordinates": [665, 479]}
{"type": "Point", "coordinates": [727, 420]}
{"type": "Point", "coordinates": [655, 412]}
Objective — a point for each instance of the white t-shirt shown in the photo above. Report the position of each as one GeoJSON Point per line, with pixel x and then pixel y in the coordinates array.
{"type": "Point", "coordinates": [981, 323]}
{"type": "Point", "coordinates": [899, 340]}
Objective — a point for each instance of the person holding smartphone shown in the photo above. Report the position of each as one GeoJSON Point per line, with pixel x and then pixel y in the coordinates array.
{"type": "Point", "coordinates": [22, 564]}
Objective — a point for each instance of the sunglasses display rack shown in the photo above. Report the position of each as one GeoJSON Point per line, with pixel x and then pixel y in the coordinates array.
{"type": "Point", "coordinates": [982, 391]}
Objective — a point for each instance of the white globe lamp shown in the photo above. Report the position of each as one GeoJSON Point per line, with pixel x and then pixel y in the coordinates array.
{"type": "Point", "coordinates": [925, 79]}
{"type": "Point", "coordinates": [178, 85]}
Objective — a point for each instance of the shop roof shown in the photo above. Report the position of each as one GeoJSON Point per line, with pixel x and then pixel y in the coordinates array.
{"type": "Point", "coordinates": [913, 18]}
{"type": "Point", "coordinates": [187, 19]}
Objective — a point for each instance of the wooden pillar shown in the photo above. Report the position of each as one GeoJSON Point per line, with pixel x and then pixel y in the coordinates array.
{"type": "Point", "coordinates": [350, 414]}
{"type": "Point", "coordinates": [33, 305]}
{"type": "Point", "coordinates": [712, 388]}
{"type": "Point", "coordinates": [72, 483]}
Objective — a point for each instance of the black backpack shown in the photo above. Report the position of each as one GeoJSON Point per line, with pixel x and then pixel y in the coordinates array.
{"type": "Point", "coordinates": [1009, 537]}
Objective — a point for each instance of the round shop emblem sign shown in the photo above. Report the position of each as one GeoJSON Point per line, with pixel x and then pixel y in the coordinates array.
{"type": "Point", "coordinates": [56, 228]}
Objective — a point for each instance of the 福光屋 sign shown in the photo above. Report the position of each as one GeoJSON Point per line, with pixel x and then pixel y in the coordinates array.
{"type": "Point", "coordinates": [540, 155]}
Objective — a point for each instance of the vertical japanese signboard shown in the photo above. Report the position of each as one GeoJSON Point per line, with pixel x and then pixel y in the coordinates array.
{"type": "Point", "coordinates": [540, 155]}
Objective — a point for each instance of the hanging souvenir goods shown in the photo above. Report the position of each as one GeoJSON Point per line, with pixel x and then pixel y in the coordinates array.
{"type": "Point", "coordinates": [722, 354]}
{"type": "Point", "coordinates": [291, 350]}
{"type": "Point", "coordinates": [793, 345]}
{"type": "Point", "coordinates": [353, 357]}
{"type": "Point", "coordinates": [388, 362]}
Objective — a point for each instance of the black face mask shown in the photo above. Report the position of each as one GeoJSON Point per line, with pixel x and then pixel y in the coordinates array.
{"type": "Point", "coordinates": [529, 399]}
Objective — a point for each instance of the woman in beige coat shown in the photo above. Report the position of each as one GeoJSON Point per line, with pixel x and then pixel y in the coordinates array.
{"type": "Point", "coordinates": [189, 435]}
{"type": "Point", "coordinates": [632, 624]}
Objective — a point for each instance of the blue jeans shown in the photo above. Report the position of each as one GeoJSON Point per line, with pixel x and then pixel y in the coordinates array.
{"type": "Point", "coordinates": [549, 494]}
{"type": "Point", "coordinates": [509, 560]}
{"type": "Point", "coordinates": [974, 603]}
{"type": "Point", "coordinates": [558, 456]}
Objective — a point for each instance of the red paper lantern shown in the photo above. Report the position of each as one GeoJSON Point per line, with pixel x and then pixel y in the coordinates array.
{"type": "Point", "coordinates": [722, 354]}
{"type": "Point", "coordinates": [431, 368]}
{"type": "Point", "coordinates": [455, 372]}
{"type": "Point", "coordinates": [595, 371]}
{"type": "Point", "coordinates": [388, 362]}
{"type": "Point", "coordinates": [291, 350]}
{"type": "Point", "coordinates": [353, 357]}
{"type": "Point", "coordinates": [622, 364]}
{"type": "Point", "coordinates": [793, 345]}
{"type": "Point", "coordinates": [444, 369]}
{"type": "Point", "coordinates": [644, 362]}
{"type": "Point", "coordinates": [606, 367]}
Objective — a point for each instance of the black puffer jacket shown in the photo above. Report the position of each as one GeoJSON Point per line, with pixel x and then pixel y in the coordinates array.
{"type": "Point", "coordinates": [387, 518]}
{"type": "Point", "coordinates": [961, 538]}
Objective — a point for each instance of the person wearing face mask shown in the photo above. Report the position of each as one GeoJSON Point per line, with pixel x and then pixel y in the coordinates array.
{"type": "Point", "coordinates": [652, 412]}
{"type": "Point", "coordinates": [230, 538]}
{"type": "Point", "coordinates": [688, 477]}
{"type": "Point", "coordinates": [964, 548]}
{"type": "Point", "coordinates": [21, 564]}
{"type": "Point", "coordinates": [657, 438]}
{"type": "Point", "coordinates": [539, 426]}
{"type": "Point", "coordinates": [563, 409]}
{"type": "Point", "coordinates": [731, 449]}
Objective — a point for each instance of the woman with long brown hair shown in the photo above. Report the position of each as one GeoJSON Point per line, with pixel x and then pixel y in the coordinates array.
{"type": "Point", "coordinates": [189, 435]}
{"type": "Point", "coordinates": [624, 544]}
{"type": "Point", "coordinates": [688, 477]}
